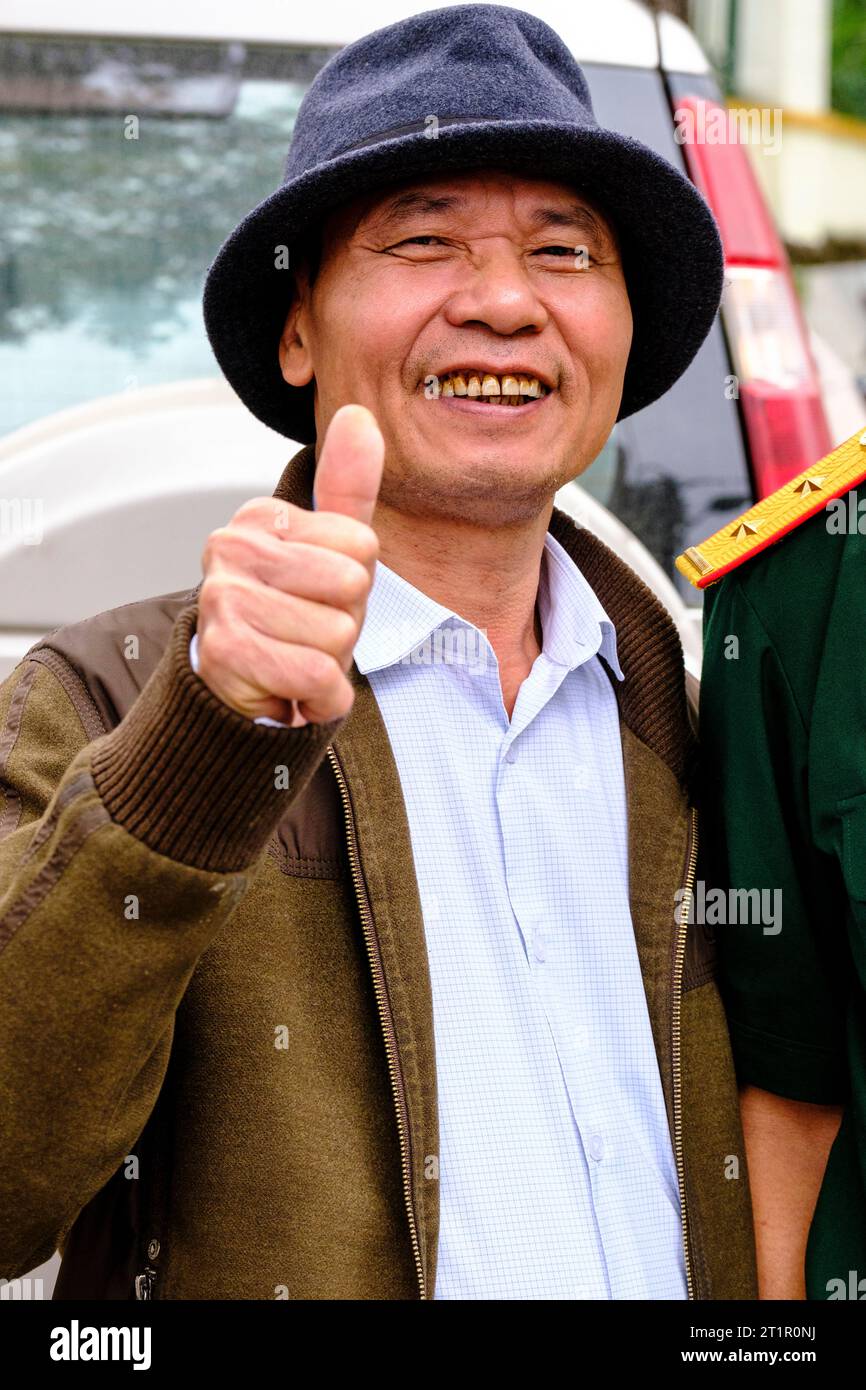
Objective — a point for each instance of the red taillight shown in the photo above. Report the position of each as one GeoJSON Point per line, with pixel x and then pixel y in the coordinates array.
{"type": "Point", "coordinates": [777, 382]}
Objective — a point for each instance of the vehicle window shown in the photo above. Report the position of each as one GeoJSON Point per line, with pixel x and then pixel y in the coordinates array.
{"type": "Point", "coordinates": [108, 226]}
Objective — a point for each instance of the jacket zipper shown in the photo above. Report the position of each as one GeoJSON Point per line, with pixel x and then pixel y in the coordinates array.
{"type": "Point", "coordinates": [385, 1016]}
{"type": "Point", "coordinates": [679, 962]}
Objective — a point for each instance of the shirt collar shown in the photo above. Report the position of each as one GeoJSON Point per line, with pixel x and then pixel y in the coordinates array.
{"type": "Point", "coordinates": [574, 624]}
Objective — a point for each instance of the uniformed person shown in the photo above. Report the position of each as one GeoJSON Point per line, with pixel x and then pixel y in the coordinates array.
{"type": "Point", "coordinates": [783, 733]}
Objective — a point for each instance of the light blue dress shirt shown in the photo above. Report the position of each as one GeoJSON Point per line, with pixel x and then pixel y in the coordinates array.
{"type": "Point", "coordinates": [556, 1171]}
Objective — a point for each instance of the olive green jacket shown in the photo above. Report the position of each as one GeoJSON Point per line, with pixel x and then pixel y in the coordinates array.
{"type": "Point", "coordinates": [217, 1073]}
{"type": "Point", "coordinates": [783, 719]}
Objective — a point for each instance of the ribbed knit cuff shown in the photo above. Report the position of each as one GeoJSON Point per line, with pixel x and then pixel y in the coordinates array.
{"type": "Point", "coordinates": [194, 779]}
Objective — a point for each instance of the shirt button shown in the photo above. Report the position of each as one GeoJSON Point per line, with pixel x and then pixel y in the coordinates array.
{"type": "Point", "coordinates": [596, 1147]}
{"type": "Point", "coordinates": [538, 945]}
{"type": "Point", "coordinates": [511, 756]}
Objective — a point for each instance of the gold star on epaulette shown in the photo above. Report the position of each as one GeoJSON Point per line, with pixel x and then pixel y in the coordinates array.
{"type": "Point", "coordinates": [774, 516]}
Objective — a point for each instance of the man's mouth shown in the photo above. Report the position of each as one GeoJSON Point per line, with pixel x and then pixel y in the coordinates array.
{"type": "Point", "coordinates": [486, 389]}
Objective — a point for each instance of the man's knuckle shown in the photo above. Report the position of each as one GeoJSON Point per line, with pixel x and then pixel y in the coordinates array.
{"type": "Point", "coordinates": [225, 597]}
{"type": "Point", "coordinates": [214, 546]}
{"type": "Point", "coordinates": [345, 630]}
{"type": "Point", "coordinates": [320, 669]}
{"type": "Point", "coordinates": [368, 546]}
{"type": "Point", "coordinates": [354, 585]}
{"type": "Point", "coordinates": [253, 508]}
{"type": "Point", "coordinates": [214, 647]}
{"type": "Point", "coordinates": [345, 700]}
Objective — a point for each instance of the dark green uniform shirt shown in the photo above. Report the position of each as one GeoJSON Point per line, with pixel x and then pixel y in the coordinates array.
{"type": "Point", "coordinates": [783, 730]}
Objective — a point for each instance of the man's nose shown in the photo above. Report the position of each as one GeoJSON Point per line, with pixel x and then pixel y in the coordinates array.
{"type": "Point", "coordinates": [497, 289]}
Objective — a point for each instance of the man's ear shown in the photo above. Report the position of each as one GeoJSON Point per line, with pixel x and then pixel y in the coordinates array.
{"type": "Point", "coordinates": [296, 362]}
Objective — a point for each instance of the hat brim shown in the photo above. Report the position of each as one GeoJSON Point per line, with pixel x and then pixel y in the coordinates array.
{"type": "Point", "coordinates": [672, 253]}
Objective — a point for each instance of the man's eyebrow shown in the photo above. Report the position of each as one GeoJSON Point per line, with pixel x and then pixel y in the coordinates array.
{"type": "Point", "coordinates": [575, 216]}
{"type": "Point", "coordinates": [404, 206]}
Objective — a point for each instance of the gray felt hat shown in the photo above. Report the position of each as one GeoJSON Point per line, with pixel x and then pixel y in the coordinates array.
{"type": "Point", "coordinates": [506, 92]}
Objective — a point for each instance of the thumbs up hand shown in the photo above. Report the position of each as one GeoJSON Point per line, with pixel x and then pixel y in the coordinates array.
{"type": "Point", "coordinates": [285, 589]}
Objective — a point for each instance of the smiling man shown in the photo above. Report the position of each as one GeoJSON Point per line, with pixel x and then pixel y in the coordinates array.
{"type": "Point", "coordinates": [340, 953]}
{"type": "Point", "coordinates": [493, 361]}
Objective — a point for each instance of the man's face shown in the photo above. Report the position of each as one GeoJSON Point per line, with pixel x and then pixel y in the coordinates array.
{"type": "Point", "coordinates": [475, 270]}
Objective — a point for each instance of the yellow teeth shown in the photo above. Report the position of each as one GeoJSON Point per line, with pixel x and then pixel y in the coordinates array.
{"type": "Point", "coordinates": [507, 390]}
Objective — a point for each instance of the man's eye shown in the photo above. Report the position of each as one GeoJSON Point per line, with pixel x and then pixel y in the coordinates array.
{"type": "Point", "coordinates": [567, 251]}
{"type": "Point", "coordinates": [562, 252]}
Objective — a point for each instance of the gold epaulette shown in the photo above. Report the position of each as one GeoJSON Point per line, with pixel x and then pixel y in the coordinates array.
{"type": "Point", "coordinates": [774, 516]}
